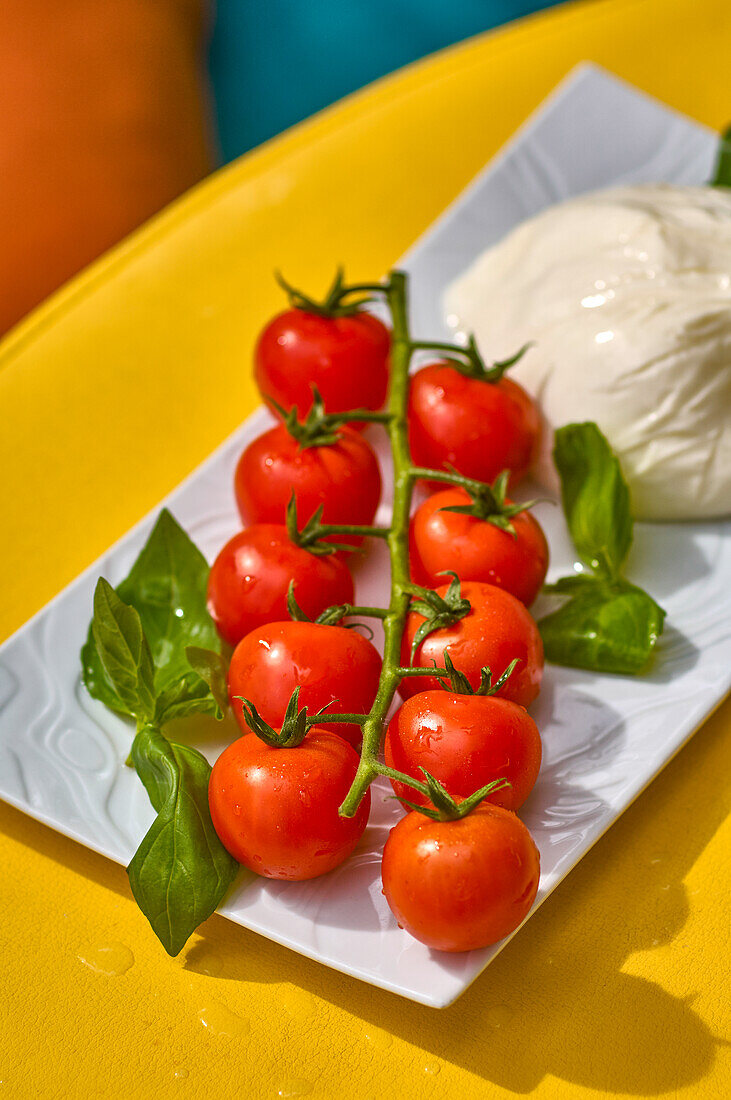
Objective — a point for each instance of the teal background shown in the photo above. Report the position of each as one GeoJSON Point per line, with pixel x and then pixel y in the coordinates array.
{"type": "Point", "coordinates": [274, 62]}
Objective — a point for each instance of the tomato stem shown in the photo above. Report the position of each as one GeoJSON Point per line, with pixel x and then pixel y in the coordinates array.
{"type": "Point", "coordinates": [422, 672]}
{"type": "Point", "coordinates": [349, 719]}
{"type": "Point", "coordinates": [325, 529]}
{"type": "Point", "coordinates": [405, 474]}
{"type": "Point", "coordinates": [395, 619]}
{"type": "Point", "coordinates": [366, 612]}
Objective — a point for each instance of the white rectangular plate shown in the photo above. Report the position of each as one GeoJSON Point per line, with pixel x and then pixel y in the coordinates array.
{"type": "Point", "coordinates": [605, 737]}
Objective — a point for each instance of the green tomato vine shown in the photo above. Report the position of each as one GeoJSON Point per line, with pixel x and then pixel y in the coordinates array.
{"type": "Point", "coordinates": [405, 475]}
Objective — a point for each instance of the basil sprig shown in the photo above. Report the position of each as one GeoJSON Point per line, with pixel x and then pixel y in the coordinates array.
{"type": "Point", "coordinates": [608, 624]}
{"type": "Point", "coordinates": [149, 656]}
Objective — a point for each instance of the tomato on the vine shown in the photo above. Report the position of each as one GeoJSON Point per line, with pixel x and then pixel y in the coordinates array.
{"type": "Point", "coordinates": [335, 667]}
{"type": "Point", "coordinates": [466, 742]}
{"type": "Point", "coordinates": [345, 357]}
{"type": "Point", "coordinates": [250, 578]}
{"type": "Point", "coordinates": [476, 426]}
{"type": "Point", "coordinates": [276, 809]}
{"type": "Point", "coordinates": [478, 549]}
{"type": "Point", "coordinates": [497, 630]}
{"type": "Point", "coordinates": [464, 884]}
{"type": "Point", "coordinates": [343, 476]}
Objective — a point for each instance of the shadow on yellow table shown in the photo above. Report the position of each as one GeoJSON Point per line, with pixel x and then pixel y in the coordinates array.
{"type": "Point", "coordinates": [118, 387]}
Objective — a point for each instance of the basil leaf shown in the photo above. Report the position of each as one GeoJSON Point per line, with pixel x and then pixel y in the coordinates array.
{"type": "Point", "coordinates": [181, 870]}
{"type": "Point", "coordinates": [167, 586]}
{"type": "Point", "coordinates": [722, 171]}
{"type": "Point", "coordinates": [595, 497]}
{"type": "Point", "coordinates": [211, 668]}
{"type": "Point", "coordinates": [605, 628]}
{"type": "Point", "coordinates": [123, 653]}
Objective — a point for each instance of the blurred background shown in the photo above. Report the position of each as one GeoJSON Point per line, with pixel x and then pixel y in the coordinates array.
{"type": "Point", "coordinates": [274, 62]}
{"type": "Point", "coordinates": [112, 108]}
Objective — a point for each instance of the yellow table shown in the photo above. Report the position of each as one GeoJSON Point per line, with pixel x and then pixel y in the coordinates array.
{"type": "Point", "coordinates": [620, 983]}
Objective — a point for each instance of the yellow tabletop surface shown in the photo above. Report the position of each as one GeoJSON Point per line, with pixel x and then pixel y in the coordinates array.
{"type": "Point", "coordinates": [115, 390]}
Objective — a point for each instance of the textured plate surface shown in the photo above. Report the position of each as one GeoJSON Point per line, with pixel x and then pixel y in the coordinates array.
{"type": "Point", "coordinates": [62, 754]}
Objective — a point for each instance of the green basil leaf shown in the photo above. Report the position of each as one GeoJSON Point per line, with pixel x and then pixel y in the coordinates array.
{"type": "Point", "coordinates": [212, 669]}
{"type": "Point", "coordinates": [181, 870]}
{"type": "Point", "coordinates": [722, 171]}
{"type": "Point", "coordinates": [595, 497]}
{"type": "Point", "coordinates": [167, 586]}
{"type": "Point", "coordinates": [605, 628]}
{"type": "Point", "coordinates": [186, 697]}
{"type": "Point", "coordinates": [123, 653]}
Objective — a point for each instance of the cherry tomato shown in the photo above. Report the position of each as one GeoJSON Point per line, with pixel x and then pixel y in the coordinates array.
{"type": "Point", "coordinates": [476, 549]}
{"type": "Point", "coordinates": [333, 666]}
{"type": "Point", "coordinates": [343, 476]}
{"type": "Point", "coordinates": [346, 358]}
{"type": "Point", "coordinates": [460, 885]}
{"type": "Point", "coordinates": [249, 579]}
{"type": "Point", "coordinates": [466, 742]}
{"type": "Point", "coordinates": [477, 427]}
{"type": "Point", "coordinates": [496, 630]}
{"type": "Point", "coordinates": [276, 809]}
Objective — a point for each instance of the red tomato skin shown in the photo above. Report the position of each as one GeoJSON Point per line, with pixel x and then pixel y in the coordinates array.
{"type": "Point", "coordinates": [460, 885]}
{"type": "Point", "coordinates": [345, 357]}
{"type": "Point", "coordinates": [276, 810]}
{"type": "Point", "coordinates": [333, 667]}
{"type": "Point", "coordinates": [466, 742]}
{"type": "Point", "coordinates": [343, 476]}
{"type": "Point", "coordinates": [496, 630]}
{"type": "Point", "coordinates": [479, 428]}
{"type": "Point", "coordinates": [478, 550]}
{"type": "Point", "coordinates": [248, 582]}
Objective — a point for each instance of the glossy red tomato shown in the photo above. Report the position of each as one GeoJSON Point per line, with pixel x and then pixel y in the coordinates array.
{"type": "Point", "coordinates": [346, 358]}
{"type": "Point", "coordinates": [333, 667]}
{"type": "Point", "coordinates": [276, 809]}
{"type": "Point", "coordinates": [466, 742]}
{"type": "Point", "coordinates": [460, 885]}
{"type": "Point", "coordinates": [479, 428]}
{"type": "Point", "coordinates": [249, 579]}
{"type": "Point", "coordinates": [476, 549]}
{"type": "Point", "coordinates": [496, 631]}
{"type": "Point", "coordinates": [342, 476]}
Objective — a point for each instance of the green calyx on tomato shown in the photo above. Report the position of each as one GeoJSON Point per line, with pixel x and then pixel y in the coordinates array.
{"type": "Point", "coordinates": [460, 685]}
{"type": "Point", "coordinates": [331, 616]}
{"type": "Point", "coordinates": [311, 535]}
{"type": "Point", "coordinates": [333, 304]}
{"type": "Point", "coordinates": [444, 807]}
{"type": "Point", "coordinates": [438, 611]}
{"type": "Point", "coordinates": [319, 428]}
{"type": "Point", "coordinates": [488, 502]}
{"type": "Point", "coordinates": [468, 361]}
{"type": "Point", "coordinates": [295, 724]}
